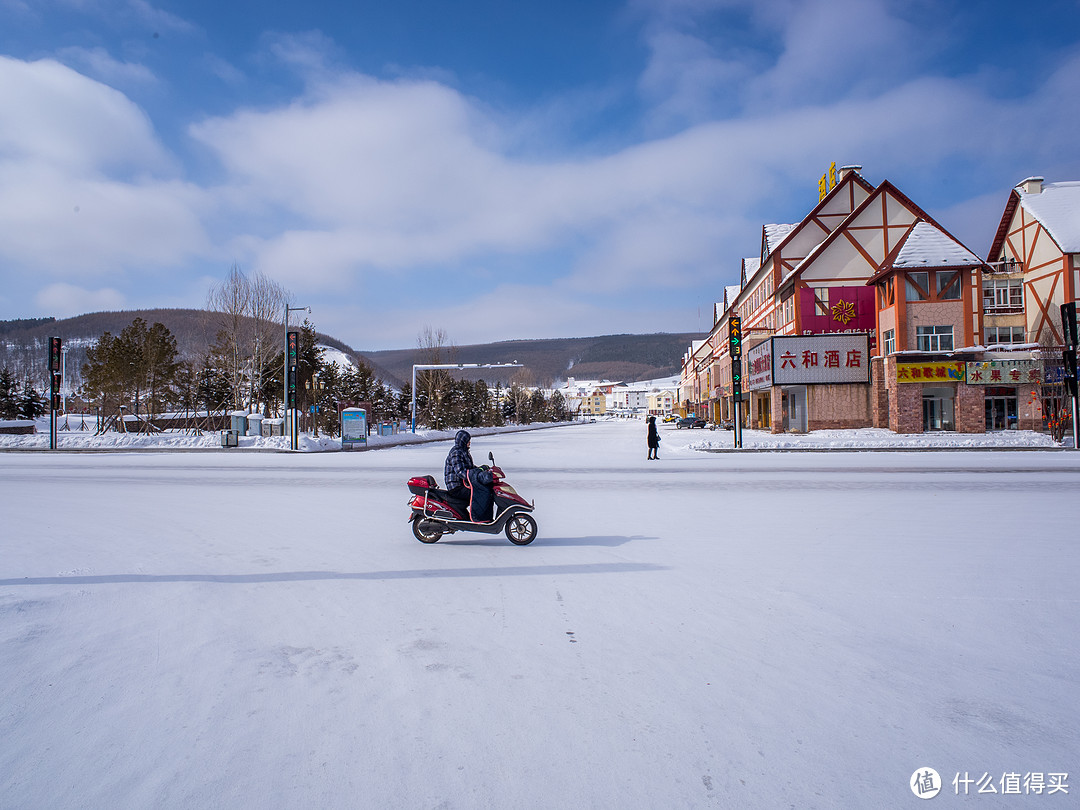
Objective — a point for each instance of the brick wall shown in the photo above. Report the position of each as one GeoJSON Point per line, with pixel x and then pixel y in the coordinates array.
{"type": "Point", "coordinates": [905, 407]}
{"type": "Point", "coordinates": [838, 407]}
{"type": "Point", "coordinates": [879, 392]}
{"type": "Point", "coordinates": [776, 400]}
{"type": "Point", "coordinates": [970, 409]}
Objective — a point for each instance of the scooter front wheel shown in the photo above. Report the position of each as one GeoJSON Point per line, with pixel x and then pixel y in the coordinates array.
{"type": "Point", "coordinates": [521, 530]}
{"type": "Point", "coordinates": [426, 531]}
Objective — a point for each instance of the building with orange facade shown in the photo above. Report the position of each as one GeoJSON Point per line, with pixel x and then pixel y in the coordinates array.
{"type": "Point", "coordinates": [868, 312]}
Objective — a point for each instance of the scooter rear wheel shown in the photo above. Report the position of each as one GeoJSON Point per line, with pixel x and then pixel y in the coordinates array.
{"type": "Point", "coordinates": [521, 530]}
{"type": "Point", "coordinates": [425, 530]}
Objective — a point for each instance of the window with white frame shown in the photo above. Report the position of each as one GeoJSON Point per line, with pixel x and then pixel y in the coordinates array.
{"type": "Point", "coordinates": [934, 338]}
{"type": "Point", "coordinates": [1003, 293]}
{"type": "Point", "coordinates": [1003, 334]}
{"type": "Point", "coordinates": [888, 341]}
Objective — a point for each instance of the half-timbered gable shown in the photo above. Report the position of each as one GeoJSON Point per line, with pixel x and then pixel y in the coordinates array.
{"type": "Point", "coordinates": [1036, 248]}
{"type": "Point", "coordinates": [800, 241]}
{"type": "Point", "coordinates": [829, 285]}
{"type": "Point", "coordinates": [928, 293]}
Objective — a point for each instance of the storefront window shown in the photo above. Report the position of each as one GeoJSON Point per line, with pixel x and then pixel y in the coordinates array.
{"type": "Point", "coordinates": [939, 409]}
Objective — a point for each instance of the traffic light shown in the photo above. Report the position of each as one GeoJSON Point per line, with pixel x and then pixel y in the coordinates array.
{"type": "Point", "coordinates": [294, 349]}
{"type": "Point", "coordinates": [1069, 356]}
{"type": "Point", "coordinates": [54, 354]}
{"type": "Point", "coordinates": [1068, 323]}
{"type": "Point", "coordinates": [735, 336]}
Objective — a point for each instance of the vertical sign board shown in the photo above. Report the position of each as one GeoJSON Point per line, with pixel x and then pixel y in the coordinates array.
{"type": "Point", "coordinates": [54, 387]}
{"type": "Point", "coordinates": [354, 429]}
{"type": "Point", "coordinates": [1068, 326]}
{"type": "Point", "coordinates": [735, 350]}
{"type": "Point", "coordinates": [294, 354]}
{"type": "Point", "coordinates": [54, 369]}
{"type": "Point", "coordinates": [759, 366]}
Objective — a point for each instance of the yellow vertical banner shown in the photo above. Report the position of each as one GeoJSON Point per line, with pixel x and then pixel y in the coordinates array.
{"type": "Point", "coordinates": [823, 186]}
{"type": "Point", "coordinates": [832, 176]}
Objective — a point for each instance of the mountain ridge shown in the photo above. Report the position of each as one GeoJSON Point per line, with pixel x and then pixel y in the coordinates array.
{"type": "Point", "coordinates": [621, 357]}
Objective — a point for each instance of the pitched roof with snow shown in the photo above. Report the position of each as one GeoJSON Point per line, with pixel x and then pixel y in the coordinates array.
{"type": "Point", "coordinates": [774, 234]}
{"type": "Point", "coordinates": [926, 245]}
{"type": "Point", "coordinates": [1057, 208]}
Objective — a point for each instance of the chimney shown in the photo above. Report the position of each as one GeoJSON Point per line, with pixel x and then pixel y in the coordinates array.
{"type": "Point", "coordinates": [1033, 185]}
{"type": "Point", "coordinates": [846, 170]}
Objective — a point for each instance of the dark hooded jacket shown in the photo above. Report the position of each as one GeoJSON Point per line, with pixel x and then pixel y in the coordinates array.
{"type": "Point", "coordinates": [458, 462]}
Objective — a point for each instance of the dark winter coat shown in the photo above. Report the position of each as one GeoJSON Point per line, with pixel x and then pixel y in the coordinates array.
{"type": "Point", "coordinates": [458, 461]}
{"type": "Point", "coordinates": [654, 436]}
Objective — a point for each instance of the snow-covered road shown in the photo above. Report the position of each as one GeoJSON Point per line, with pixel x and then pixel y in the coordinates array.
{"type": "Point", "coordinates": [213, 630]}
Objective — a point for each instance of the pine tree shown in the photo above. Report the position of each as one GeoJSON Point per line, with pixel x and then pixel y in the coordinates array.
{"type": "Point", "coordinates": [9, 401]}
{"type": "Point", "coordinates": [31, 405]}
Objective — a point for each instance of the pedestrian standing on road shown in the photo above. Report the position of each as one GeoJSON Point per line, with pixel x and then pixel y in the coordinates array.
{"type": "Point", "coordinates": [654, 439]}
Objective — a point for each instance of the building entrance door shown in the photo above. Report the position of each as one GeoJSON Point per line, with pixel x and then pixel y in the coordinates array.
{"type": "Point", "coordinates": [939, 409]}
{"type": "Point", "coordinates": [764, 412]}
{"type": "Point", "coordinates": [795, 410]}
{"type": "Point", "coordinates": [1001, 409]}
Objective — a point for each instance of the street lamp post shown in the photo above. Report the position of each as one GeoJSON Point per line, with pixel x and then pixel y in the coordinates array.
{"type": "Point", "coordinates": [416, 368]}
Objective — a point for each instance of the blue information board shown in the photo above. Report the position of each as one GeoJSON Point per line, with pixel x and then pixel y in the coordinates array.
{"type": "Point", "coordinates": [354, 429]}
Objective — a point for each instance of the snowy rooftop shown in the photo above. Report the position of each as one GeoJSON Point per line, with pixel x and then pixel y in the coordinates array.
{"type": "Point", "coordinates": [929, 246]}
{"type": "Point", "coordinates": [774, 234]}
{"type": "Point", "coordinates": [1057, 208]}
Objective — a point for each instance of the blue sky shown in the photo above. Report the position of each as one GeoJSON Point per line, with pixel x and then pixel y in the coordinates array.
{"type": "Point", "coordinates": [497, 170]}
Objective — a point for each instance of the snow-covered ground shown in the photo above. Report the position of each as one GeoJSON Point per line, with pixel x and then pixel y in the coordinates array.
{"type": "Point", "coordinates": [261, 630]}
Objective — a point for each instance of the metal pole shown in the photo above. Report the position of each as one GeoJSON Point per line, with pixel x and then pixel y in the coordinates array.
{"type": "Point", "coordinates": [284, 371]}
{"type": "Point", "coordinates": [1076, 433]}
{"type": "Point", "coordinates": [412, 391]}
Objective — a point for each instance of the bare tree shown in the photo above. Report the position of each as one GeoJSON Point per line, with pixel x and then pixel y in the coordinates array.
{"type": "Point", "coordinates": [243, 314]}
{"type": "Point", "coordinates": [1056, 402]}
{"type": "Point", "coordinates": [433, 385]}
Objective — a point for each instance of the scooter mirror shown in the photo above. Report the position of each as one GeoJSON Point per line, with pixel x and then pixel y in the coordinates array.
{"type": "Point", "coordinates": [491, 458]}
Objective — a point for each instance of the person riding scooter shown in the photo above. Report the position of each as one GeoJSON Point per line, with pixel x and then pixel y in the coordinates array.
{"type": "Point", "coordinates": [467, 482]}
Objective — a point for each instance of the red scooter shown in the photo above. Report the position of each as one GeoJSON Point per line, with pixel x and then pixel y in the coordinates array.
{"type": "Point", "coordinates": [435, 513]}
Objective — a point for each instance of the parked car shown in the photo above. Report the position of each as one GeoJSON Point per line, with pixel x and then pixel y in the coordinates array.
{"type": "Point", "coordinates": [670, 418]}
{"type": "Point", "coordinates": [690, 422]}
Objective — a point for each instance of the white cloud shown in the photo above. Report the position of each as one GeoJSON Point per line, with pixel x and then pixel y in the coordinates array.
{"type": "Point", "coordinates": [85, 185]}
{"type": "Point", "coordinates": [66, 300]}
{"type": "Point", "coordinates": [51, 113]}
